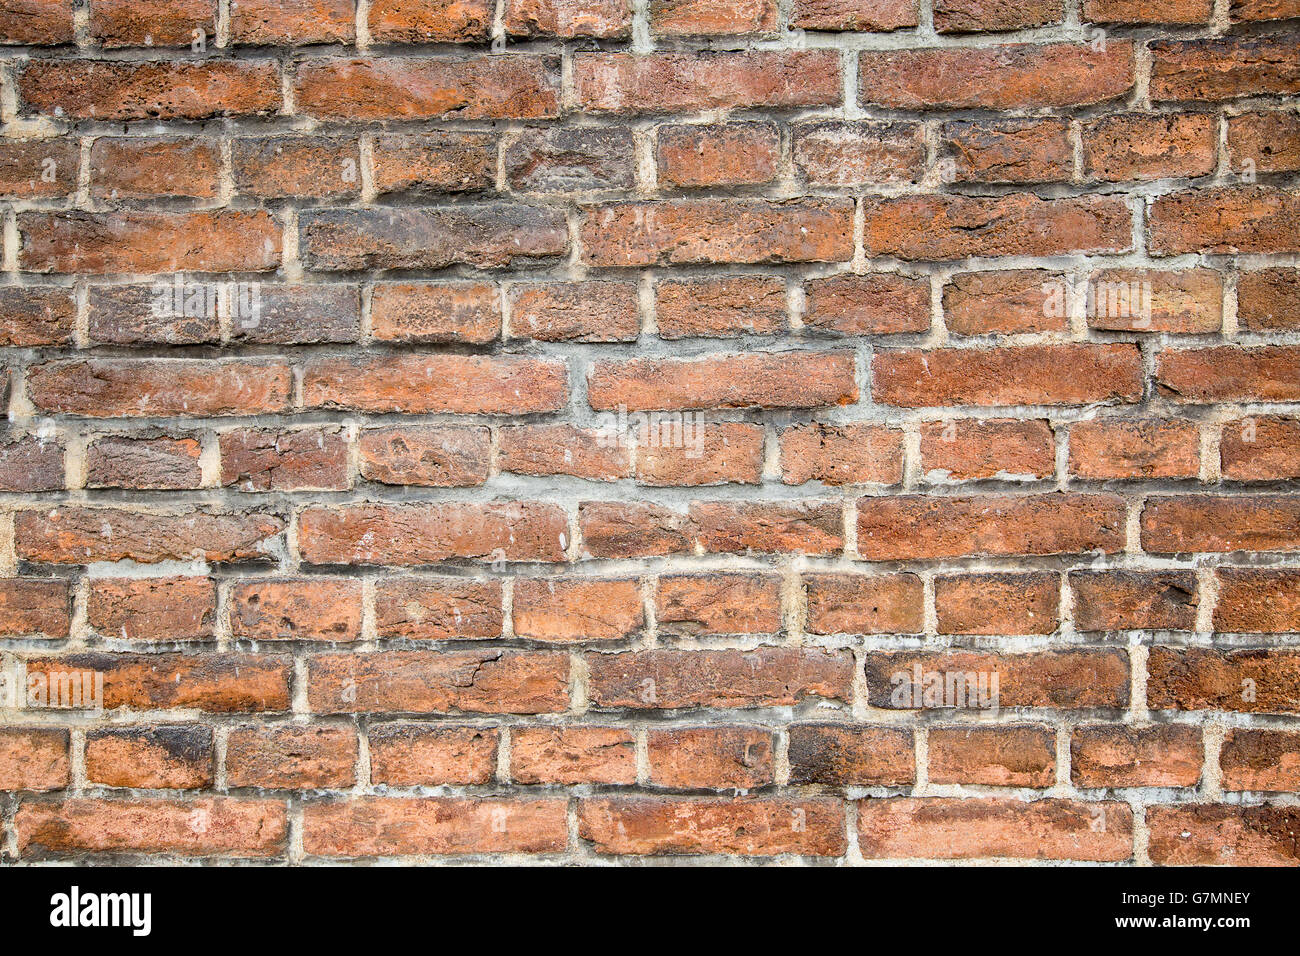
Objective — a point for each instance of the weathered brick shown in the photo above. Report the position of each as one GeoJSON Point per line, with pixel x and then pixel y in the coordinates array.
{"type": "Point", "coordinates": [577, 610]}
{"type": "Point", "coordinates": [574, 311]}
{"type": "Point", "coordinates": [849, 755]}
{"type": "Point", "coordinates": [448, 161]}
{"type": "Point", "coordinates": [1264, 760]}
{"type": "Point", "coordinates": [568, 755]}
{"type": "Point", "coordinates": [710, 758]}
{"type": "Point", "coordinates": [1110, 448]}
{"type": "Point", "coordinates": [1270, 142]}
{"type": "Point", "coordinates": [766, 380]}
{"type": "Point", "coordinates": [1008, 151]}
{"type": "Point", "coordinates": [430, 21]}
{"type": "Point", "coordinates": [717, 308]}
{"type": "Point", "coordinates": [569, 18]}
{"type": "Point", "coordinates": [1258, 600]}
{"type": "Point", "coordinates": [420, 682]}
{"type": "Point", "coordinates": [32, 607]}
{"type": "Point", "coordinates": [433, 609]}
{"type": "Point", "coordinates": [596, 454]}
{"type": "Point", "coordinates": [954, 829]}
{"type": "Point", "coordinates": [416, 534]}
{"type": "Point", "coordinates": [978, 16]}
{"type": "Point", "coordinates": [1223, 68]}
{"type": "Point", "coordinates": [1206, 834]}
{"type": "Point", "coordinates": [1163, 755]}
{"type": "Point", "coordinates": [1140, 146]}
{"type": "Point", "coordinates": [857, 154]}
{"type": "Point", "coordinates": [1225, 219]}
{"type": "Point", "coordinates": [429, 455]}
{"type": "Point", "coordinates": [769, 827]}
{"type": "Point", "coordinates": [669, 455]}
{"type": "Point", "coordinates": [993, 756]}
{"type": "Point", "coordinates": [1269, 300]}
{"type": "Point", "coordinates": [881, 304]}
{"type": "Point", "coordinates": [731, 154]}
{"type": "Point", "coordinates": [967, 449]}
{"type": "Point", "coordinates": [272, 460]}
{"type": "Point", "coordinates": [864, 604]}
{"type": "Point", "coordinates": [34, 758]}
{"type": "Point", "coordinates": [1266, 448]}
{"type": "Point", "coordinates": [1185, 523]}
{"type": "Point", "coordinates": [1245, 680]}
{"type": "Point", "coordinates": [1007, 303]}
{"type": "Point", "coordinates": [1004, 77]}
{"type": "Point", "coordinates": [425, 312]}
{"type": "Point", "coordinates": [405, 755]}
{"type": "Point", "coordinates": [154, 758]}
{"type": "Point", "coordinates": [81, 535]}
{"type": "Point", "coordinates": [143, 463]}
{"type": "Point", "coordinates": [841, 454]}
{"type": "Point", "coordinates": [564, 160]}
{"type": "Point", "coordinates": [299, 609]}
{"type": "Point", "coordinates": [276, 22]}
{"type": "Point", "coordinates": [290, 757]}
{"type": "Point", "coordinates": [153, 609]}
{"type": "Point", "coordinates": [718, 604]}
{"type": "Point", "coordinates": [1227, 374]}
{"type": "Point", "coordinates": [997, 603]}
{"type": "Point", "coordinates": [1134, 600]}
{"type": "Point", "coordinates": [393, 826]}
{"type": "Point", "coordinates": [422, 383]}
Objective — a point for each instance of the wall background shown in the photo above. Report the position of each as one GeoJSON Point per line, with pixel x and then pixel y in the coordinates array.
{"type": "Point", "coordinates": [329, 528]}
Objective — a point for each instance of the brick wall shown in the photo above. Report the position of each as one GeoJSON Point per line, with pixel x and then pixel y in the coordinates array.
{"type": "Point", "coordinates": [829, 429]}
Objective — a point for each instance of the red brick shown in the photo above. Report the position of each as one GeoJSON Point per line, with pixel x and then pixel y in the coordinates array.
{"type": "Point", "coordinates": [79, 535]}
{"type": "Point", "coordinates": [1266, 448]}
{"type": "Point", "coordinates": [420, 682]}
{"type": "Point", "coordinates": [998, 603]}
{"type": "Point", "coordinates": [297, 166]}
{"type": "Point", "coordinates": [1263, 10]}
{"type": "Point", "coordinates": [857, 154]}
{"type": "Point", "coordinates": [569, 755]}
{"type": "Point", "coordinates": [143, 463]}
{"type": "Point", "coordinates": [425, 533]}
{"type": "Point", "coordinates": [1023, 375]}
{"type": "Point", "coordinates": [448, 161]}
{"type": "Point", "coordinates": [430, 21]}
{"type": "Point", "coordinates": [1258, 600]}
{"type": "Point", "coordinates": [1227, 374]}
{"type": "Point", "coordinates": [420, 237]}
{"type": "Point", "coordinates": [437, 609]}
{"type": "Point", "coordinates": [397, 88]}
{"type": "Point", "coordinates": [1215, 834]}
{"type": "Point", "coordinates": [691, 82]}
{"type": "Point", "coordinates": [769, 827]}
{"type": "Point", "coordinates": [1269, 300]}
{"type": "Point", "coordinates": [1008, 151]}
{"type": "Point", "coordinates": [672, 454]}
{"type": "Point", "coordinates": [618, 530]}
{"type": "Point", "coordinates": [574, 312]}
{"type": "Point", "coordinates": [1244, 680]}
{"type": "Point", "coordinates": [275, 22]}
{"type": "Point", "coordinates": [291, 757]}
{"type": "Point", "coordinates": [216, 683]}
{"type": "Point", "coordinates": [421, 383]}
{"type": "Point", "coordinates": [154, 758]}
{"type": "Point", "coordinates": [391, 826]}
{"type": "Point", "coordinates": [300, 609]}
{"type": "Point", "coordinates": [1148, 11]}
{"type": "Point", "coordinates": [577, 610]}
{"type": "Point", "coordinates": [571, 160]}
{"type": "Point", "coordinates": [36, 22]}
{"type": "Point", "coordinates": [1223, 68]}
{"type": "Point", "coordinates": [1109, 755]}
{"type": "Point", "coordinates": [731, 154]}
{"type": "Point", "coordinates": [429, 455]}
{"type": "Point", "coordinates": [864, 604]}
{"type": "Point", "coordinates": [1004, 77]}
{"type": "Point", "coordinates": [139, 241]}
{"type": "Point", "coordinates": [716, 308]}
{"type": "Point", "coordinates": [882, 304]}
{"type": "Point", "coordinates": [34, 758]}
{"type": "Point", "coordinates": [31, 464]}
{"type": "Point", "coordinates": [124, 90]}
{"type": "Point", "coordinates": [153, 609]}
{"type": "Point", "coordinates": [1063, 679]}
{"type": "Point", "coordinates": [765, 677]}
{"type": "Point", "coordinates": [562, 450]}
{"type": "Point", "coordinates": [39, 168]}
{"type": "Point", "coordinates": [718, 604]}
{"type": "Point", "coordinates": [568, 18]}
{"type": "Point", "coordinates": [802, 527]}
{"type": "Point", "coordinates": [1007, 303]}
{"type": "Point", "coordinates": [847, 755]}
{"type": "Point", "coordinates": [1225, 219]}
{"type": "Point", "coordinates": [32, 316]}
{"type": "Point", "coordinates": [1140, 146]}
{"type": "Point", "coordinates": [765, 380]}
{"type": "Point", "coordinates": [109, 388]}
{"type": "Point", "coordinates": [444, 312]}
{"type": "Point", "coordinates": [1134, 600]}
{"type": "Point", "coordinates": [1110, 448]}
{"type": "Point", "coordinates": [865, 15]}
{"type": "Point", "coordinates": [710, 758]}
{"type": "Point", "coordinates": [993, 756]}
{"type": "Point", "coordinates": [153, 23]}
{"type": "Point", "coordinates": [1262, 760]}
{"type": "Point", "coordinates": [841, 454]}
{"type": "Point", "coordinates": [712, 17]}
{"type": "Point", "coordinates": [1217, 524]}
{"type": "Point", "coordinates": [271, 460]}
{"type": "Point", "coordinates": [958, 227]}
{"type": "Point", "coordinates": [406, 755]}
{"type": "Point", "coordinates": [198, 827]}
{"type": "Point", "coordinates": [966, 449]}
{"type": "Point", "coordinates": [34, 607]}
{"type": "Point", "coordinates": [975, 16]}
{"type": "Point", "coordinates": [1146, 300]}
{"type": "Point", "coordinates": [956, 829]}
{"type": "Point", "coordinates": [1269, 141]}
{"type": "Point", "coordinates": [696, 231]}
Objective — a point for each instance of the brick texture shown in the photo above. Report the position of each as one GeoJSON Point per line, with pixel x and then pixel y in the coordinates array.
{"type": "Point", "coordinates": [578, 431]}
